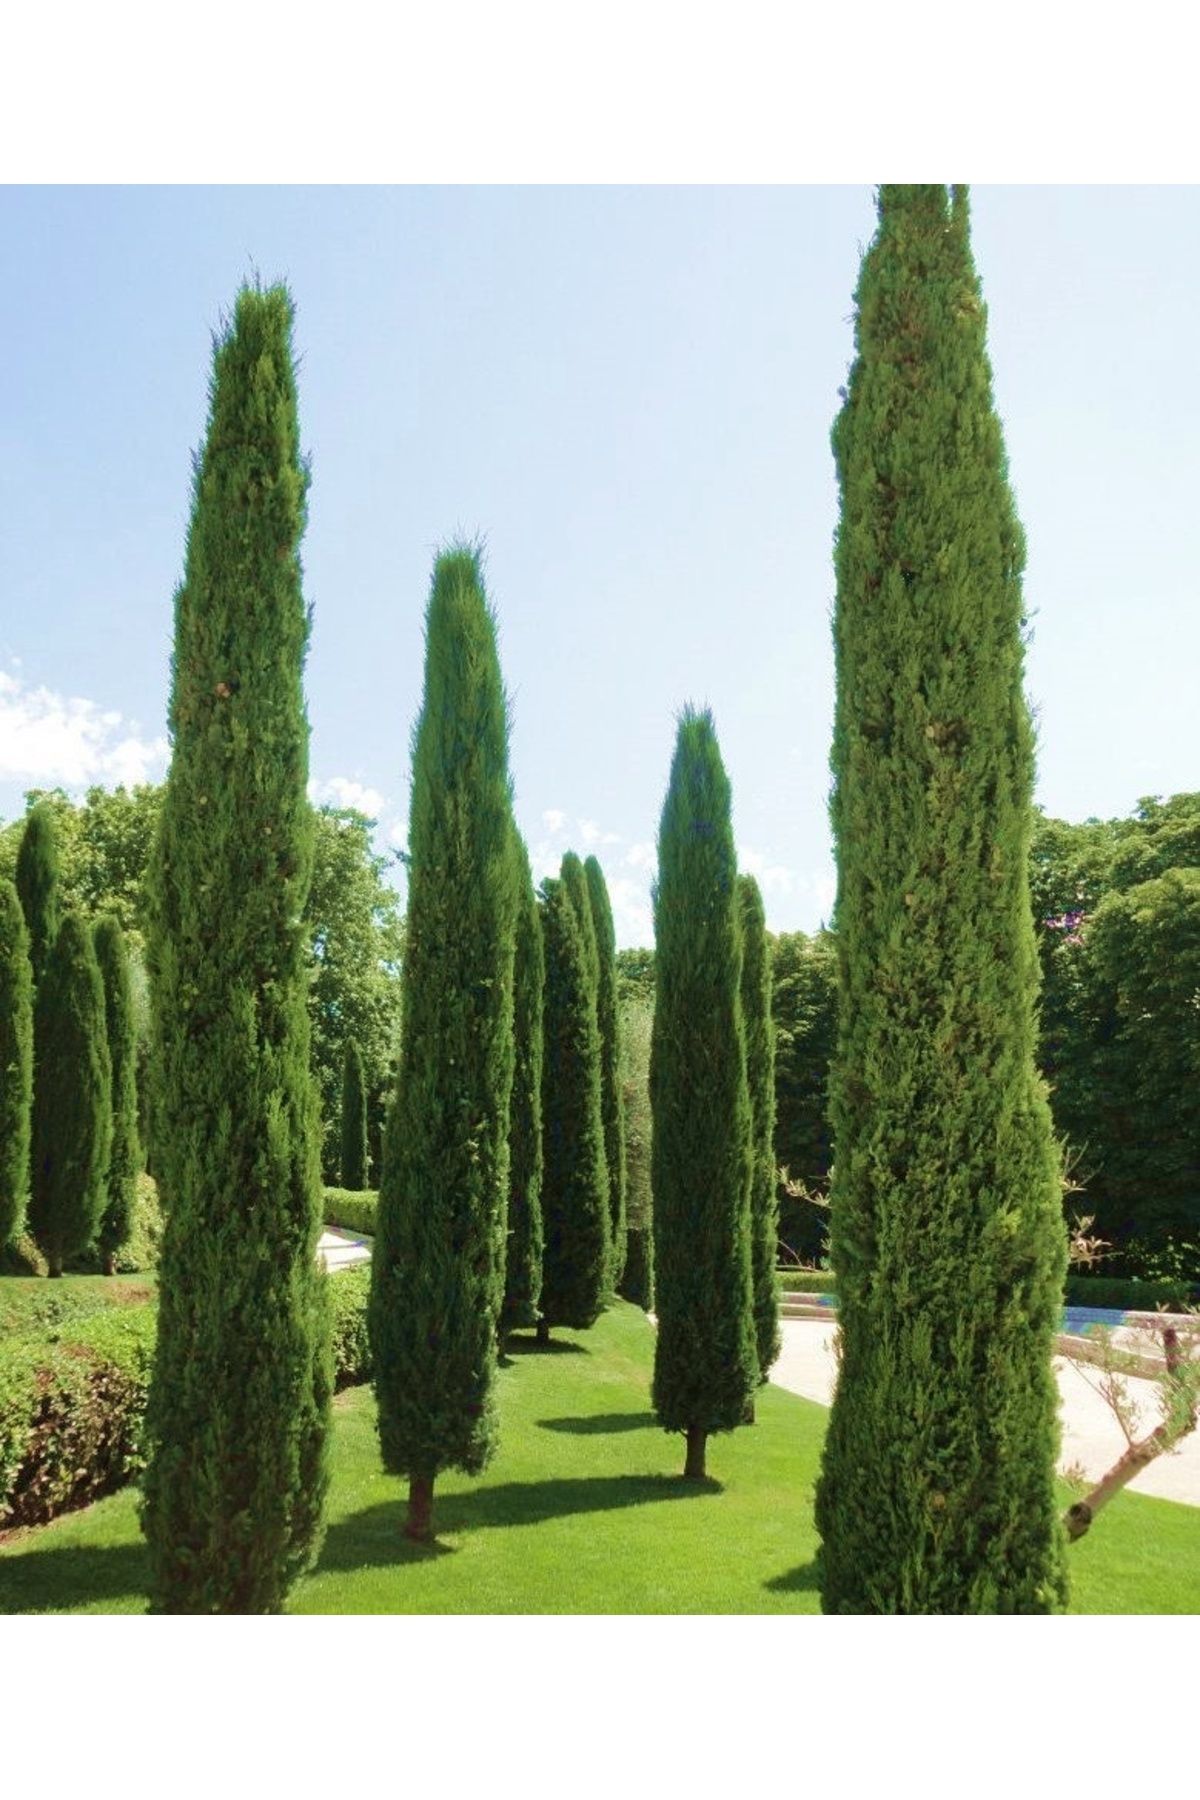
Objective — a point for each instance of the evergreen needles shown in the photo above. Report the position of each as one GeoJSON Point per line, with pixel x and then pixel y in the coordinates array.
{"type": "Point", "coordinates": [238, 1407]}
{"type": "Point", "coordinates": [437, 1271]}
{"type": "Point", "coordinates": [16, 1064]}
{"type": "Point", "coordinates": [524, 1244]}
{"type": "Point", "coordinates": [937, 1487]}
{"type": "Point", "coordinates": [705, 1364]}
{"type": "Point", "coordinates": [608, 1020]}
{"type": "Point", "coordinates": [760, 1080]}
{"type": "Point", "coordinates": [116, 1221]}
{"type": "Point", "coordinates": [354, 1120]}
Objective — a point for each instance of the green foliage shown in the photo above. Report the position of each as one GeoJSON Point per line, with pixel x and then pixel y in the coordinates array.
{"type": "Point", "coordinates": [38, 885]}
{"type": "Point", "coordinates": [760, 1082]}
{"type": "Point", "coordinates": [1132, 1295]}
{"type": "Point", "coordinates": [705, 1364]}
{"type": "Point", "coordinates": [608, 1017]}
{"type": "Point", "coordinates": [72, 1106]}
{"type": "Point", "coordinates": [16, 1064]}
{"type": "Point", "coordinates": [349, 1290]}
{"type": "Point", "coordinates": [117, 1218]}
{"type": "Point", "coordinates": [353, 1211]}
{"type": "Point", "coordinates": [804, 1011]}
{"type": "Point", "coordinates": [937, 1486]}
{"type": "Point", "coordinates": [575, 1189]}
{"type": "Point", "coordinates": [637, 1027]}
{"type": "Point", "coordinates": [356, 935]}
{"type": "Point", "coordinates": [525, 1241]}
{"type": "Point", "coordinates": [637, 1278]}
{"type": "Point", "coordinates": [438, 1261]}
{"type": "Point", "coordinates": [806, 1281]}
{"type": "Point", "coordinates": [635, 976]}
{"type": "Point", "coordinates": [72, 1401]}
{"type": "Point", "coordinates": [354, 1120]}
{"type": "Point", "coordinates": [239, 1403]}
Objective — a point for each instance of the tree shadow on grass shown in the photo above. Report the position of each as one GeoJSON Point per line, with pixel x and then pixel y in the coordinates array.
{"type": "Point", "coordinates": [374, 1538]}
{"type": "Point", "coordinates": [54, 1580]}
{"type": "Point", "coordinates": [597, 1424]}
{"type": "Point", "coordinates": [530, 1346]}
{"type": "Point", "coordinates": [800, 1580]}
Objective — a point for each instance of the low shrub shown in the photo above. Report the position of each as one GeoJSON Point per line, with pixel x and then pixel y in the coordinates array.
{"type": "Point", "coordinates": [73, 1388]}
{"type": "Point", "coordinates": [806, 1281]}
{"type": "Point", "coordinates": [71, 1411]}
{"type": "Point", "coordinates": [352, 1209]}
{"type": "Point", "coordinates": [1132, 1295]}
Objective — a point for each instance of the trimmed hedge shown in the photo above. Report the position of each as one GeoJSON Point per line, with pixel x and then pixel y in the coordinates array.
{"type": "Point", "coordinates": [1131, 1295]}
{"type": "Point", "coordinates": [73, 1388]}
{"type": "Point", "coordinates": [352, 1210]}
{"type": "Point", "coordinates": [806, 1281]}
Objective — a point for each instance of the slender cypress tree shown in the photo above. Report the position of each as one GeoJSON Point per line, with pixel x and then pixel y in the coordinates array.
{"type": "Point", "coordinates": [16, 1064]}
{"type": "Point", "coordinates": [354, 1119]}
{"type": "Point", "coordinates": [37, 884]}
{"type": "Point", "coordinates": [239, 1400]}
{"type": "Point", "coordinates": [525, 1241]}
{"type": "Point", "coordinates": [575, 1175]}
{"type": "Point", "coordinates": [705, 1364]}
{"type": "Point", "coordinates": [608, 1018]}
{"type": "Point", "coordinates": [760, 1079]}
{"type": "Point", "coordinates": [437, 1272]}
{"type": "Point", "coordinates": [72, 1103]}
{"type": "Point", "coordinates": [937, 1487]}
{"type": "Point", "coordinates": [116, 1221]}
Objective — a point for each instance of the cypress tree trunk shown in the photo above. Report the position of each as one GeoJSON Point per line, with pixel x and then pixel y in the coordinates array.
{"type": "Point", "coordinates": [608, 1018]}
{"type": "Point", "coordinates": [525, 1241]}
{"type": "Point", "coordinates": [72, 1108]}
{"type": "Point", "coordinates": [937, 1486]}
{"type": "Point", "coordinates": [16, 1065]}
{"type": "Point", "coordinates": [116, 1222]}
{"type": "Point", "coordinates": [37, 884]}
{"type": "Point", "coordinates": [354, 1120]}
{"type": "Point", "coordinates": [575, 1178]}
{"type": "Point", "coordinates": [760, 1079]}
{"type": "Point", "coordinates": [239, 1400]}
{"type": "Point", "coordinates": [705, 1365]}
{"type": "Point", "coordinates": [437, 1271]}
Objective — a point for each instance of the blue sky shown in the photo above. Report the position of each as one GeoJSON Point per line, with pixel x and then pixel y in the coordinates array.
{"type": "Point", "coordinates": [628, 392]}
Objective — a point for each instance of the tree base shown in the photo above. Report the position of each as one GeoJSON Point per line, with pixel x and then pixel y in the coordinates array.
{"type": "Point", "coordinates": [693, 1468]}
{"type": "Point", "coordinates": [419, 1524]}
{"type": "Point", "coordinates": [543, 1332]}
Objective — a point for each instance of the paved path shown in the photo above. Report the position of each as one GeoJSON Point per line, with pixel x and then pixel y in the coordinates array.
{"type": "Point", "coordinates": [338, 1249]}
{"type": "Point", "coordinates": [1091, 1436]}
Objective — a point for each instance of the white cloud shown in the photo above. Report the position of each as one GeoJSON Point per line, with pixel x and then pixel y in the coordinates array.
{"type": "Point", "coordinates": [340, 790]}
{"type": "Point", "coordinates": [50, 740]}
{"type": "Point", "coordinates": [554, 820]}
{"type": "Point", "coordinates": [772, 878]}
{"type": "Point", "coordinates": [641, 856]}
{"type": "Point", "coordinates": [592, 834]}
{"type": "Point", "coordinates": [633, 915]}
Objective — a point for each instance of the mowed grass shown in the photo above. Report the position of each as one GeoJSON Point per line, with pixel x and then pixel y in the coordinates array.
{"type": "Point", "coordinates": [583, 1511]}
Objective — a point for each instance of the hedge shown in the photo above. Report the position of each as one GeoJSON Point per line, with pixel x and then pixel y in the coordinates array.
{"type": "Point", "coordinates": [352, 1210]}
{"type": "Point", "coordinates": [806, 1281]}
{"type": "Point", "coordinates": [73, 1391]}
{"type": "Point", "coordinates": [1132, 1295]}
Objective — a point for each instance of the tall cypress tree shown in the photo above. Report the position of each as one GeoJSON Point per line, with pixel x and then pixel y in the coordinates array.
{"type": "Point", "coordinates": [705, 1363]}
{"type": "Point", "coordinates": [116, 1221]}
{"type": "Point", "coordinates": [38, 884]}
{"type": "Point", "coordinates": [608, 1018]}
{"type": "Point", "coordinates": [437, 1272]}
{"type": "Point", "coordinates": [72, 1104]}
{"type": "Point", "coordinates": [354, 1119]}
{"type": "Point", "coordinates": [16, 1064]}
{"type": "Point", "coordinates": [937, 1487]}
{"type": "Point", "coordinates": [575, 1175]}
{"type": "Point", "coordinates": [239, 1400]}
{"type": "Point", "coordinates": [525, 1240]}
{"type": "Point", "coordinates": [760, 1079]}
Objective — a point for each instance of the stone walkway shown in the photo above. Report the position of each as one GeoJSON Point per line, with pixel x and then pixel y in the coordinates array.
{"type": "Point", "coordinates": [337, 1249]}
{"type": "Point", "coordinates": [1091, 1436]}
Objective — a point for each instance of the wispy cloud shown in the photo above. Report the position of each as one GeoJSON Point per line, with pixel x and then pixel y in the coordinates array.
{"type": "Point", "coordinates": [342, 790]}
{"type": "Point", "coordinates": [52, 740]}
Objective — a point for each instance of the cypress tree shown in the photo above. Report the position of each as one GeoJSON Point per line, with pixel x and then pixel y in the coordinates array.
{"type": "Point", "coordinates": [525, 1240]}
{"type": "Point", "coordinates": [37, 884]}
{"type": "Point", "coordinates": [608, 1018]}
{"type": "Point", "coordinates": [354, 1119]}
{"type": "Point", "coordinates": [239, 1399]}
{"type": "Point", "coordinates": [575, 1175]}
{"type": "Point", "coordinates": [437, 1272]}
{"type": "Point", "coordinates": [705, 1364]}
{"type": "Point", "coordinates": [637, 1280]}
{"type": "Point", "coordinates": [760, 1079]}
{"type": "Point", "coordinates": [16, 1064]}
{"type": "Point", "coordinates": [937, 1487]}
{"type": "Point", "coordinates": [72, 1103]}
{"type": "Point", "coordinates": [116, 1221]}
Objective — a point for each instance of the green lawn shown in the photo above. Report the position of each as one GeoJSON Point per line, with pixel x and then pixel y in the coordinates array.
{"type": "Point", "coordinates": [583, 1511]}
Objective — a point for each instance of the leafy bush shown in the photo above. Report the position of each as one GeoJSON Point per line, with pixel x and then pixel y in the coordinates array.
{"type": "Point", "coordinates": [1131, 1295]}
{"type": "Point", "coordinates": [71, 1412]}
{"type": "Point", "coordinates": [352, 1211]}
{"type": "Point", "coordinates": [74, 1373]}
{"type": "Point", "coordinates": [806, 1281]}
